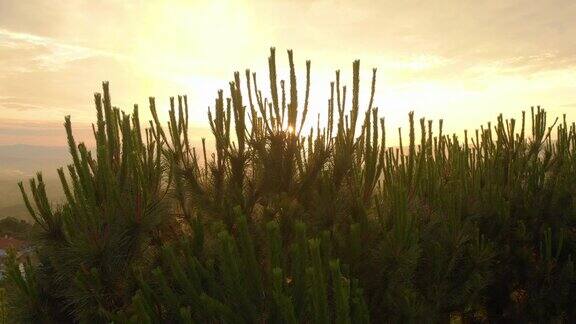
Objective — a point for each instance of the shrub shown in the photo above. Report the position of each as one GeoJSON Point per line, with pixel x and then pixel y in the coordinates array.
{"type": "Point", "coordinates": [282, 226]}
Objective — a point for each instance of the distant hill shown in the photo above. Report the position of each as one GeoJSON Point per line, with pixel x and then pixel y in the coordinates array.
{"type": "Point", "coordinates": [17, 211]}
{"type": "Point", "coordinates": [21, 162]}
{"type": "Point", "coordinates": [22, 159]}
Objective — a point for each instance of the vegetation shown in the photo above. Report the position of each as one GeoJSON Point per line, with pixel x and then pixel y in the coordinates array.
{"type": "Point", "coordinates": [16, 228]}
{"type": "Point", "coordinates": [283, 226]}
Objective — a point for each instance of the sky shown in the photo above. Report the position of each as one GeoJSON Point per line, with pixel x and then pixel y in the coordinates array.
{"type": "Point", "coordinates": [463, 61]}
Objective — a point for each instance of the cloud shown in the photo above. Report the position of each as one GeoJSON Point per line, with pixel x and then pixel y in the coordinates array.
{"type": "Point", "coordinates": [11, 173]}
{"type": "Point", "coordinates": [41, 74]}
{"type": "Point", "coordinates": [43, 79]}
{"type": "Point", "coordinates": [515, 33]}
{"type": "Point", "coordinates": [12, 103]}
{"type": "Point", "coordinates": [23, 52]}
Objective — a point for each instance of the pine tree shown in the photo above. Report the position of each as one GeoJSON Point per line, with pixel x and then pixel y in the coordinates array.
{"type": "Point", "coordinates": [284, 225]}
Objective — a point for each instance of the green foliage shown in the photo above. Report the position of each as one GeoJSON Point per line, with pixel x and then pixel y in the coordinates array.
{"type": "Point", "coordinates": [279, 225]}
{"type": "Point", "coordinates": [114, 215]}
{"type": "Point", "coordinates": [225, 286]}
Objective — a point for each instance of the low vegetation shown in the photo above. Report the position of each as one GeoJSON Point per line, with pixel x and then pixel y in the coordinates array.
{"type": "Point", "coordinates": [16, 228]}
{"type": "Point", "coordinates": [284, 225]}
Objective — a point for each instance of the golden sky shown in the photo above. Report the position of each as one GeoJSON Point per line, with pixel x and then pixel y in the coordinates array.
{"type": "Point", "coordinates": [464, 61]}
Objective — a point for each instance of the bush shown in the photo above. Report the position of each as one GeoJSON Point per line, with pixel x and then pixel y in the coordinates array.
{"type": "Point", "coordinates": [281, 226]}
